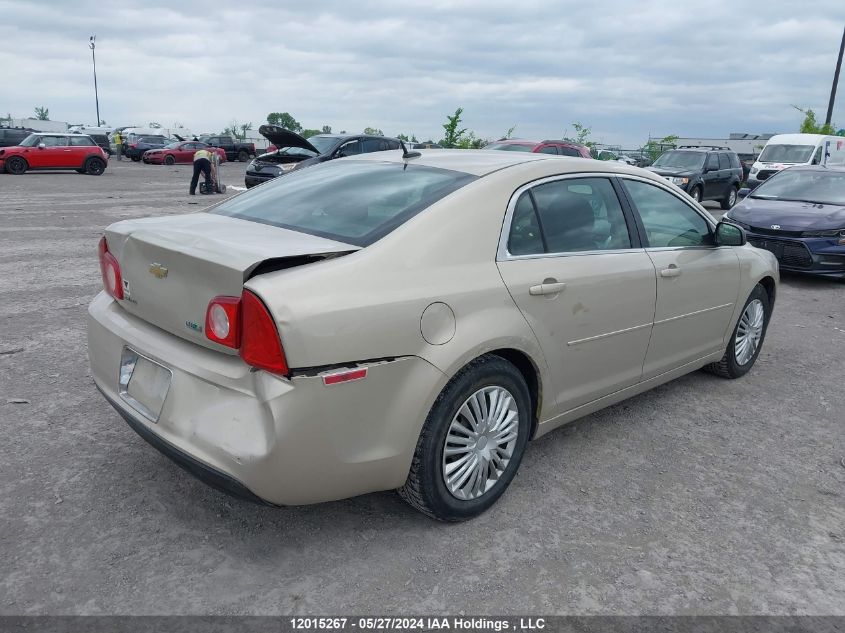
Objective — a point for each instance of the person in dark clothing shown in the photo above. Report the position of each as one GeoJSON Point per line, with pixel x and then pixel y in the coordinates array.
{"type": "Point", "coordinates": [202, 164]}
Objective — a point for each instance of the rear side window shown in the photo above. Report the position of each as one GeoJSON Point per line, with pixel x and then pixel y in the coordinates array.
{"type": "Point", "coordinates": [724, 161]}
{"type": "Point", "coordinates": [734, 158]}
{"type": "Point", "coordinates": [568, 151]}
{"type": "Point", "coordinates": [548, 149]}
{"type": "Point", "coordinates": [578, 214]}
{"type": "Point", "coordinates": [356, 202]}
{"type": "Point", "coordinates": [81, 141]}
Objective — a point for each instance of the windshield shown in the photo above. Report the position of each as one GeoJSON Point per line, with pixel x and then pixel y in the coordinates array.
{"type": "Point", "coordinates": [786, 153]}
{"type": "Point", "coordinates": [680, 160]}
{"type": "Point", "coordinates": [804, 185]}
{"type": "Point", "coordinates": [172, 145]}
{"type": "Point", "coordinates": [510, 147]}
{"type": "Point", "coordinates": [356, 202]}
{"type": "Point", "coordinates": [30, 141]}
{"type": "Point", "coordinates": [295, 151]}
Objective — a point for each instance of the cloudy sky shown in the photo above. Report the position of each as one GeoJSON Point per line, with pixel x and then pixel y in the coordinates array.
{"type": "Point", "coordinates": [626, 69]}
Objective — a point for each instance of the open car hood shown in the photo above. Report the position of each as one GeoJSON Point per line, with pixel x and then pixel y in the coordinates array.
{"type": "Point", "coordinates": [280, 137]}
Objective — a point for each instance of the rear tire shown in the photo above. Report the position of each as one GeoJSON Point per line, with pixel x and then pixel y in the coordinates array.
{"type": "Point", "coordinates": [169, 160]}
{"type": "Point", "coordinates": [16, 165]}
{"type": "Point", "coordinates": [482, 457]}
{"type": "Point", "coordinates": [243, 156]}
{"type": "Point", "coordinates": [730, 198]}
{"type": "Point", "coordinates": [95, 166]}
{"type": "Point", "coordinates": [738, 360]}
{"type": "Point", "coordinates": [136, 159]}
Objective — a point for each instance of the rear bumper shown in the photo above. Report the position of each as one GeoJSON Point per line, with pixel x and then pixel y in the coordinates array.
{"type": "Point", "coordinates": [281, 441]}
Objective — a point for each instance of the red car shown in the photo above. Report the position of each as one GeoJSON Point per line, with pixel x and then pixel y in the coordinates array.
{"type": "Point", "coordinates": [181, 152]}
{"type": "Point", "coordinates": [48, 150]}
{"type": "Point", "coordinates": [559, 148]}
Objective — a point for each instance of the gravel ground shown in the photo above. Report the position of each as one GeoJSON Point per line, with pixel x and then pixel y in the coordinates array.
{"type": "Point", "coordinates": [704, 496]}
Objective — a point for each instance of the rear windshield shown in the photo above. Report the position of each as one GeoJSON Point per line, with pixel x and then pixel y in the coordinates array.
{"type": "Point", "coordinates": [786, 153]}
{"type": "Point", "coordinates": [356, 202]}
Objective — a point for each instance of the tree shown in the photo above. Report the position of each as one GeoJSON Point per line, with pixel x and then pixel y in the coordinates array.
{"type": "Point", "coordinates": [285, 120]}
{"type": "Point", "coordinates": [582, 136]}
{"type": "Point", "coordinates": [810, 126]}
{"type": "Point", "coordinates": [309, 133]}
{"type": "Point", "coordinates": [654, 148]}
{"type": "Point", "coordinates": [453, 134]}
{"type": "Point", "coordinates": [372, 131]}
{"type": "Point", "coordinates": [244, 128]}
{"type": "Point", "coordinates": [403, 137]}
{"type": "Point", "coordinates": [327, 129]}
{"type": "Point", "coordinates": [42, 113]}
{"type": "Point", "coordinates": [470, 141]}
{"type": "Point", "coordinates": [510, 132]}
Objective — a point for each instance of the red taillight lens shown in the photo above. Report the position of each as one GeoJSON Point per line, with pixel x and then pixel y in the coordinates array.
{"type": "Point", "coordinates": [133, 145]}
{"type": "Point", "coordinates": [245, 323]}
{"type": "Point", "coordinates": [110, 270]}
{"type": "Point", "coordinates": [260, 344]}
{"type": "Point", "coordinates": [222, 321]}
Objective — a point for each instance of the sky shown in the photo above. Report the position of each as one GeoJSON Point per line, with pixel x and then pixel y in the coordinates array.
{"type": "Point", "coordinates": [626, 69]}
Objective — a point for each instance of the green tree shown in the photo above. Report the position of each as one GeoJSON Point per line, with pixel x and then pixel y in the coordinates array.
{"type": "Point", "coordinates": [403, 137]}
{"type": "Point", "coordinates": [654, 148]}
{"type": "Point", "coordinates": [510, 132]}
{"type": "Point", "coordinates": [244, 128]}
{"type": "Point", "coordinates": [308, 133]}
{"type": "Point", "coordinates": [453, 134]}
{"type": "Point", "coordinates": [470, 141]}
{"type": "Point", "coordinates": [327, 129]}
{"type": "Point", "coordinates": [285, 120]}
{"type": "Point", "coordinates": [811, 126]}
{"type": "Point", "coordinates": [582, 137]}
{"type": "Point", "coordinates": [372, 131]}
{"type": "Point", "coordinates": [42, 113]}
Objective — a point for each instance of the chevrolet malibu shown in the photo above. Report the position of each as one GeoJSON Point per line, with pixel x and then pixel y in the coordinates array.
{"type": "Point", "coordinates": [397, 321]}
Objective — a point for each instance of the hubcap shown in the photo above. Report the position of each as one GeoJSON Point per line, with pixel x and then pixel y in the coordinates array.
{"type": "Point", "coordinates": [732, 198]}
{"type": "Point", "coordinates": [749, 332]}
{"type": "Point", "coordinates": [480, 442]}
{"type": "Point", "coordinates": [696, 195]}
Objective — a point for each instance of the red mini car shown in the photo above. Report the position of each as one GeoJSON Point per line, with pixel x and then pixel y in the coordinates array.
{"type": "Point", "coordinates": [181, 152]}
{"type": "Point", "coordinates": [47, 150]}
{"type": "Point", "coordinates": [560, 148]}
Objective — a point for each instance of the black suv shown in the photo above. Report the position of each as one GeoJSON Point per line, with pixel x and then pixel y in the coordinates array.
{"type": "Point", "coordinates": [11, 136]}
{"type": "Point", "coordinates": [705, 173]}
{"type": "Point", "coordinates": [295, 152]}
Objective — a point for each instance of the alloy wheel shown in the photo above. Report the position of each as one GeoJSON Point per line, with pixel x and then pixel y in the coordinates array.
{"type": "Point", "coordinates": [749, 331]}
{"type": "Point", "coordinates": [480, 442]}
{"type": "Point", "coordinates": [732, 197]}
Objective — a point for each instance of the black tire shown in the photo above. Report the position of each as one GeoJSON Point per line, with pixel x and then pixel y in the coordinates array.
{"type": "Point", "coordinates": [169, 160]}
{"type": "Point", "coordinates": [425, 488]}
{"type": "Point", "coordinates": [695, 193]}
{"type": "Point", "coordinates": [728, 366]}
{"type": "Point", "coordinates": [16, 165]}
{"type": "Point", "coordinates": [136, 159]}
{"type": "Point", "coordinates": [243, 156]}
{"type": "Point", "coordinates": [730, 198]}
{"type": "Point", "coordinates": [95, 166]}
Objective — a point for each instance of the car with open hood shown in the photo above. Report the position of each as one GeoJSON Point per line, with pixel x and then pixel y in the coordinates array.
{"type": "Point", "coordinates": [292, 151]}
{"type": "Point", "coordinates": [410, 320]}
{"type": "Point", "coordinates": [799, 215]}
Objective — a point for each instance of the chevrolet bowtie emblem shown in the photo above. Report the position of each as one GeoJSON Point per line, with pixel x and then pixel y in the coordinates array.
{"type": "Point", "coordinates": [158, 270]}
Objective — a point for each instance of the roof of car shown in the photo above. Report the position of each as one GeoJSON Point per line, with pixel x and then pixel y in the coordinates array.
{"type": "Point", "coordinates": [61, 133]}
{"type": "Point", "coordinates": [481, 162]}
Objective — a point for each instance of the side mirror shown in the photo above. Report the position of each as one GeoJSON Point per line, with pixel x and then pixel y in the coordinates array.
{"type": "Point", "coordinates": [41, 146]}
{"type": "Point", "coordinates": [728, 234]}
{"type": "Point", "coordinates": [743, 193]}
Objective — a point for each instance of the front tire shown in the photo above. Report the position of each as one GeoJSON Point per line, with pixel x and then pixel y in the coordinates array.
{"type": "Point", "coordinates": [695, 194]}
{"type": "Point", "coordinates": [747, 338]}
{"type": "Point", "coordinates": [95, 166]}
{"type": "Point", "coordinates": [136, 159]}
{"type": "Point", "coordinates": [243, 156]}
{"type": "Point", "coordinates": [730, 199]}
{"type": "Point", "coordinates": [169, 160]}
{"type": "Point", "coordinates": [16, 165]}
{"type": "Point", "coordinates": [472, 442]}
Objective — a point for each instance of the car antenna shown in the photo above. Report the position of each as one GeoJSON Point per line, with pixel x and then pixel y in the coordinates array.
{"type": "Point", "coordinates": [405, 153]}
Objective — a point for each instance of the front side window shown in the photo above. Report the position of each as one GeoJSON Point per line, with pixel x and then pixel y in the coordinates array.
{"type": "Point", "coordinates": [712, 162]}
{"type": "Point", "coordinates": [571, 215]}
{"type": "Point", "coordinates": [667, 219]}
{"type": "Point", "coordinates": [54, 141]}
{"type": "Point", "coordinates": [548, 149]}
{"type": "Point", "coordinates": [349, 149]}
{"type": "Point", "coordinates": [356, 202]}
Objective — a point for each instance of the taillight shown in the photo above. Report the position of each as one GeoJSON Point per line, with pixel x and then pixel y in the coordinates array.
{"type": "Point", "coordinates": [110, 270]}
{"type": "Point", "coordinates": [222, 321]}
{"type": "Point", "coordinates": [133, 145]}
{"type": "Point", "coordinates": [244, 323]}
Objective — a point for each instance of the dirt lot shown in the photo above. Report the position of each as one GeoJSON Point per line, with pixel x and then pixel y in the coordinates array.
{"type": "Point", "coordinates": [703, 496]}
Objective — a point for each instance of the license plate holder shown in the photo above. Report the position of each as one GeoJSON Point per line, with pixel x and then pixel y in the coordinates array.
{"type": "Point", "coordinates": [143, 383]}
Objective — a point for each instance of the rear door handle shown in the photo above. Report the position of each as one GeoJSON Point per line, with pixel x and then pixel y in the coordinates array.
{"type": "Point", "coordinates": [547, 289]}
{"type": "Point", "coordinates": [672, 271]}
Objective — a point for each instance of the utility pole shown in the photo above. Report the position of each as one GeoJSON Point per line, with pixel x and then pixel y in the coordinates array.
{"type": "Point", "coordinates": [835, 81]}
{"type": "Point", "coordinates": [92, 42]}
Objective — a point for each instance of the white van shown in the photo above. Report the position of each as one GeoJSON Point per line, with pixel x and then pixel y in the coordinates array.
{"type": "Point", "coordinates": [785, 150]}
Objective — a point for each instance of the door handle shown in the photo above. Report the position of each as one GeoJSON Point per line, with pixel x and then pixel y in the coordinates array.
{"type": "Point", "coordinates": [547, 288]}
{"type": "Point", "coordinates": [672, 271]}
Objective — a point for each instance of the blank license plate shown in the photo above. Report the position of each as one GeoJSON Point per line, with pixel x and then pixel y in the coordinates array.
{"type": "Point", "coordinates": [143, 383]}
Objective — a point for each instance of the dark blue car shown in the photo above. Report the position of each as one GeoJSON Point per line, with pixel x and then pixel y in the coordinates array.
{"type": "Point", "coordinates": [799, 215]}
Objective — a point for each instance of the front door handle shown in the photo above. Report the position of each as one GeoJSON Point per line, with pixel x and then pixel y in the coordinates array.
{"type": "Point", "coordinates": [551, 288]}
{"type": "Point", "coordinates": [672, 271]}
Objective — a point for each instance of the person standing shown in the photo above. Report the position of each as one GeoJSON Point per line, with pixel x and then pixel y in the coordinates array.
{"type": "Point", "coordinates": [118, 145]}
{"type": "Point", "coordinates": [202, 164]}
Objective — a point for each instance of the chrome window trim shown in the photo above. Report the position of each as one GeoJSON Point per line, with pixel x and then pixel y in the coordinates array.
{"type": "Point", "coordinates": [502, 253]}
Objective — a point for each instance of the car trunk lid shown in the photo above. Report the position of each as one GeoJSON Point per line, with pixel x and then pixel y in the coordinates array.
{"type": "Point", "coordinates": [173, 266]}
